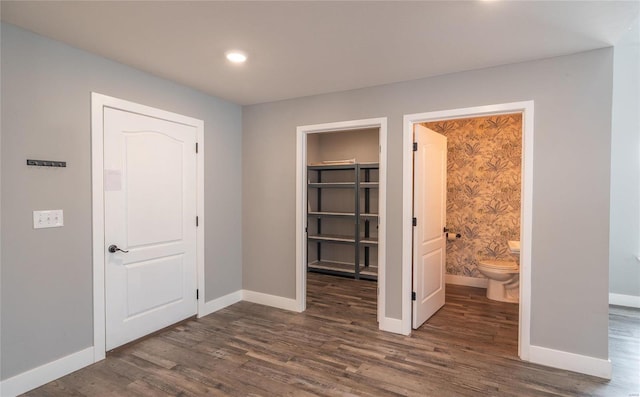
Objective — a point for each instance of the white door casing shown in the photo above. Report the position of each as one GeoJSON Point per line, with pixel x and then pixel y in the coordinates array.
{"type": "Point", "coordinates": [150, 211]}
{"type": "Point", "coordinates": [409, 120]}
{"type": "Point", "coordinates": [429, 238]}
{"type": "Point", "coordinates": [155, 245]}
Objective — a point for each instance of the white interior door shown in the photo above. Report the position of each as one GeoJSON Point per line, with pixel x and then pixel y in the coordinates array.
{"type": "Point", "coordinates": [150, 211]}
{"type": "Point", "coordinates": [429, 208]}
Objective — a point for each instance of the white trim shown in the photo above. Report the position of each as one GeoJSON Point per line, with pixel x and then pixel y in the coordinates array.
{"type": "Point", "coordinates": [389, 324]}
{"type": "Point", "coordinates": [46, 373]}
{"type": "Point", "coordinates": [466, 281]}
{"type": "Point", "coordinates": [624, 300]}
{"type": "Point", "coordinates": [202, 219]}
{"type": "Point", "coordinates": [526, 231]}
{"type": "Point", "coordinates": [214, 305]}
{"type": "Point", "coordinates": [570, 361]}
{"type": "Point", "coordinates": [301, 210]}
{"type": "Point", "coordinates": [301, 207]}
{"type": "Point", "coordinates": [279, 302]}
{"type": "Point", "coordinates": [526, 108]}
{"type": "Point", "coordinates": [97, 206]}
{"type": "Point", "coordinates": [98, 103]}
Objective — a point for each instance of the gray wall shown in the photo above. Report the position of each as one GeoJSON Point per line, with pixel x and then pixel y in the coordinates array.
{"type": "Point", "coordinates": [359, 144]}
{"type": "Point", "coordinates": [313, 148]}
{"type": "Point", "coordinates": [625, 166]}
{"type": "Point", "coordinates": [570, 250]}
{"type": "Point", "coordinates": [47, 274]}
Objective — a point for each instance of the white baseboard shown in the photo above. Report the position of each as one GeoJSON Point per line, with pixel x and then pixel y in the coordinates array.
{"type": "Point", "coordinates": [220, 303]}
{"type": "Point", "coordinates": [270, 300]}
{"type": "Point", "coordinates": [624, 300]}
{"type": "Point", "coordinates": [468, 281]}
{"type": "Point", "coordinates": [391, 325]}
{"type": "Point", "coordinates": [570, 361]}
{"type": "Point", "coordinates": [37, 377]}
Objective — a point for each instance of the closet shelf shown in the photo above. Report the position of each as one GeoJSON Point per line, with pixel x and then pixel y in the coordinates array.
{"type": "Point", "coordinates": [340, 214]}
{"type": "Point", "coordinates": [340, 268]}
{"type": "Point", "coordinates": [328, 214]}
{"type": "Point", "coordinates": [344, 166]}
{"type": "Point", "coordinates": [332, 167]}
{"type": "Point", "coordinates": [371, 185]}
{"type": "Point", "coordinates": [333, 238]}
{"type": "Point", "coordinates": [334, 185]}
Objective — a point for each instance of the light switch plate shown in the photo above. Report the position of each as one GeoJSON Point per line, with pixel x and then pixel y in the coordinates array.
{"type": "Point", "coordinates": [48, 218]}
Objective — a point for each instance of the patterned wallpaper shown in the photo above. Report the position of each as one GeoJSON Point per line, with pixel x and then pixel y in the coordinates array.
{"type": "Point", "coordinates": [483, 188]}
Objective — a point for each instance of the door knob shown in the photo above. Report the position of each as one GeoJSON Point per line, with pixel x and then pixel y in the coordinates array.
{"type": "Point", "coordinates": [114, 248]}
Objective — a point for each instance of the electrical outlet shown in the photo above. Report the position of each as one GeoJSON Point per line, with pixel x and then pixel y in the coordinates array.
{"type": "Point", "coordinates": [48, 218]}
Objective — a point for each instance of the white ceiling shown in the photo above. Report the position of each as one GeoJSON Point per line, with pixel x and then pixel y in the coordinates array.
{"type": "Point", "coordinates": [305, 48]}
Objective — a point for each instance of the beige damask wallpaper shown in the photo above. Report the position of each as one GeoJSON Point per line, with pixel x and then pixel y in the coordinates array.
{"type": "Point", "coordinates": [483, 188]}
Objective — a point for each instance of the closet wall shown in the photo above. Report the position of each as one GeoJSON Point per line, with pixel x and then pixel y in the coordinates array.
{"type": "Point", "coordinates": [359, 144]}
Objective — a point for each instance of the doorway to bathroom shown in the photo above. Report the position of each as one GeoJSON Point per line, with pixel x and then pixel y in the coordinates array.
{"type": "Point", "coordinates": [489, 169]}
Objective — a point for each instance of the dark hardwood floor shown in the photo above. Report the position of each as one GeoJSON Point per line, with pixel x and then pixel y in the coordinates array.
{"type": "Point", "coordinates": [469, 348]}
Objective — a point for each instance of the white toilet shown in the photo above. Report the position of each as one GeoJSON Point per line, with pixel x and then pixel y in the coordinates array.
{"type": "Point", "coordinates": [504, 280]}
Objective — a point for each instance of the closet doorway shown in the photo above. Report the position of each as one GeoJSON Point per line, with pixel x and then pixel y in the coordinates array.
{"type": "Point", "coordinates": [341, 192]}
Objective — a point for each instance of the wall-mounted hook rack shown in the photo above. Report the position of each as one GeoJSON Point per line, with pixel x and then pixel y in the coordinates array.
{"type": "Point", "coordinates": [46, 163]}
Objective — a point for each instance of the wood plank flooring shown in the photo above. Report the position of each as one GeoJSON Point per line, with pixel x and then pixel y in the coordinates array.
{"type": "Point", "coordinates": [469, 348]}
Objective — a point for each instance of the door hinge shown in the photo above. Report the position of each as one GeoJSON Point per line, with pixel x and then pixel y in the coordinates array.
{"type": "Point", "coordinates": [413, 296]}
{"type": "Point", "coordinates": [415, 222]}
{"type": "Point", "coordinates": [197, 221]}
{"type": "Point", "coordinates": [415, 146]}
{"type": "Point", "coordinates": [197, 294]}
{"type": "Point", "coordinates": [196, 147]}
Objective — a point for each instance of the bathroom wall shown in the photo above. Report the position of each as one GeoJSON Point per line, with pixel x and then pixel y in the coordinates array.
{"type": "Point", "coordinates": [483, 188]}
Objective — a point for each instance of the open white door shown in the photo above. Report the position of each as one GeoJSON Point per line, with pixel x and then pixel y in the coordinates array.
{"type": "Point", "coordinates": [150, 224]}
{"type": "Point", "coordinates": [429, 209]}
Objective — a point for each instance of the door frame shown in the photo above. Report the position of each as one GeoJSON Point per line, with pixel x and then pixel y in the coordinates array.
{"type": "Point", "coordinates": [526, 212]}
{"type": "Point", "coordinates": [98, 103]}
{"type": "Point", "coordinates": [301, 208]}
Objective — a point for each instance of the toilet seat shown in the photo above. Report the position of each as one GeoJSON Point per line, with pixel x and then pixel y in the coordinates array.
{"type": "Point", "coordinates": [500, 265]}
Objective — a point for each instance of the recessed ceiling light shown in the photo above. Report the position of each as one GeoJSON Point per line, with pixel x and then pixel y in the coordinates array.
{"type": "Point", "coordinates": [236, 56]}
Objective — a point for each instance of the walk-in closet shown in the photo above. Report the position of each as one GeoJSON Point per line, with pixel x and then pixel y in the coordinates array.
{"type": "Point", "coordinates": [342, 209]}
